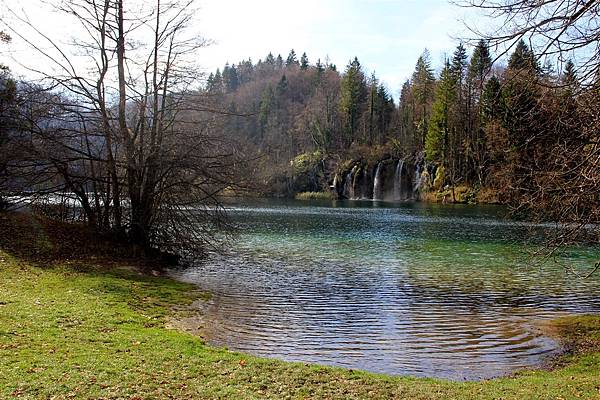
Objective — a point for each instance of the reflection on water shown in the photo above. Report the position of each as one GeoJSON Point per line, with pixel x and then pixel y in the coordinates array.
{"type": "Point", "coordinates": [408, 290]}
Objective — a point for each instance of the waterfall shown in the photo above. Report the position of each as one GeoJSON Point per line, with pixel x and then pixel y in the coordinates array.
{"type": "Point", "coordinates": [356, 182]}
{"type": "Point", "coordinates": [365, 182]}
{"type": "Point", "coordinates": [348, 190]}
{"type": "Point", "coordinates": [398, 181]}
{"type": "Point", "coordinates": [350, 183]}
{"type": "Point", "coordinates": [335, 186]}
{"type": "Point", "coordinates": [417, 184]}
{"type": "Point", "coordinates": [377, 189]}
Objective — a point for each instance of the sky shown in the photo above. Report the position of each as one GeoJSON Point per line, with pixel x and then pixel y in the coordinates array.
{"type": "Point", "coordinates": [387, 36]}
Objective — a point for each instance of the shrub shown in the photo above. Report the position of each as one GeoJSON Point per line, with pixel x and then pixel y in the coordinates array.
{"type": "Point", "coordinates": [314, 196]}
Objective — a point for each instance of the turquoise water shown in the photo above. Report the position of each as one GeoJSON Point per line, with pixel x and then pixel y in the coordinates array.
{"type": "Point", "coordinates": [409, 289]}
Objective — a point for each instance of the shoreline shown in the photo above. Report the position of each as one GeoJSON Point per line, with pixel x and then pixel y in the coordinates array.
{"type": "Point", "coordinates": [87, 326]}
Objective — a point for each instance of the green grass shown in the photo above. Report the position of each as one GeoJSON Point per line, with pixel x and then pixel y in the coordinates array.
{"type": "Point", "coordinates": [77, 329]}
{"type": "Point", "coordinates": [314, 196]}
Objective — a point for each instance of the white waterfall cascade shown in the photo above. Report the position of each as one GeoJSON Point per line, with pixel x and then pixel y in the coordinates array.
{"type": "Point", "coordinates": [417, 184]}
{"type": "Point", "coordinates": [398, 180]}
{"type": "Point", "coordinates": [377, 185]}
{"type": "Point", "coordinates": [348, 192]}
{"type": "Point", "coordinates": [365, 179]}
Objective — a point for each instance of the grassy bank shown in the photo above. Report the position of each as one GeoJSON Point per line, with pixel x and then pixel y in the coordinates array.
{"type": "Point", "coordinates": [77, 324]}
{"type": "Point", "coordinates": [314, 196]}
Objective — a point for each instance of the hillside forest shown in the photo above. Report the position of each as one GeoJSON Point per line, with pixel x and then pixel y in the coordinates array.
{"type": "Point", "coordinates": [474, 131]}
{"type": "Point", "coordinates": [139, 135]}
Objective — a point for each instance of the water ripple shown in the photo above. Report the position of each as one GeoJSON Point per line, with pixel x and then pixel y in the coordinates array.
{"type": "Point", "coordinates": [437, 292]}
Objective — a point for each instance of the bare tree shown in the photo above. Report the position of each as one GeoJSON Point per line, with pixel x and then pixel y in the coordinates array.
{"type": "Point", "coordinates": [554, 29]}
{"type": "Point", "coordinates": [130, 138]}
{"type": "Point", "coordinates": [562, 178]}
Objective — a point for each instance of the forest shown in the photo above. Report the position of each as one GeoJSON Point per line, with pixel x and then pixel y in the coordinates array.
{"type": "Point", "coordinates": [141, 125]}
{"type": "Point", "coordinates": [291, 227]}
{"type": "Point", "coordinates": [479, 130]}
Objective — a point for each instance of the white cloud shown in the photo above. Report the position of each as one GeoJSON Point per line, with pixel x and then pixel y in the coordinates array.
{"type": "Point", "coordinates": [386, 35]}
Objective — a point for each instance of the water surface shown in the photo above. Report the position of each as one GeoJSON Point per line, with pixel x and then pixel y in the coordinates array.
{"type": "Point", "coordinates": [411, 289]}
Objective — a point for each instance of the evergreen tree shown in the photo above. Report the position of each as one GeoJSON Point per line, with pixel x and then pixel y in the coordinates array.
{"type": "Point", "coordinates": [245, 70]}
{"type": "Point", "coordinates": [497, 154]}
{"type": "Point", "coordinates": [270, 59]}
{"type": "Point", "coordinates": [460, 113]}
{"type": "Point", "coordinates": [210, 82]}
{"type": "Point", "coordinates": [491, 100]}
{"type": "Point", "coordinates": [520, 94]}
{"type": "Point", "coordinates": [304, 62]}
{"type": "Point", "coordinates": [385, 110]}
{"type": "Point", "coordinates": [214, 84]}
{"type": "Point", "coordinates": [481, 62]}
{"type": "Point", "coordinates": [282, 86]}
{"type": "Point", "coordinates": [279, 62]}
{"type": "Point", "coordinates": [479, 68]}
{"type": "Point", "coordinates": [292, 59]}
{"type": "Point", "coordinates": [329, 65]}
{"type": "Point", "coordinates": [459, 65]}
{"type": "Point", "coordinates": [319, 66]}
{"type": "Point", "coordinates": [374, 106]}
{"type": "Point", "coordinates": [230, 78]}
{"type": "Point", "coordinates": [266, 104]}
{"type": "Point", "coordinates": [569, 76]}
{"type": "Point", "coordinates": [406, 112]}
{"type": "Point", "coordinates": [437, 139]}
{"type": "Point", "coordinates": [353, 96]}
{"type": "Point", "coordinates": [523, 59]}
{"type": "Point", "coordinates": [423, 82]}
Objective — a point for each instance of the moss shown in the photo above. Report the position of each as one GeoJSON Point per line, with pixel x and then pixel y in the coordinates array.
{"type": "Point", "coordinates": [438, 182]}
{"type": "Point", "coordinates": [306, 162]}
{"type": "Point", "coordinates": [314, 196]}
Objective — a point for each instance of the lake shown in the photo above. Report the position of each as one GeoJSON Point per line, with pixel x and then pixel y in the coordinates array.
{"type": "Point", "coordinates": [404, 289]}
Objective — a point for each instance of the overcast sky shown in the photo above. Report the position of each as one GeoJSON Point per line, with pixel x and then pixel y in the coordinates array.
{"type": "Point", "coordinates": [386, 35]}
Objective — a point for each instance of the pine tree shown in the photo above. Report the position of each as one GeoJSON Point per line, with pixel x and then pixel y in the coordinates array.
{"type": "Point", "coordinates": [385, 110]}
{"type": "Point", "coordinates": [319, 66]}
{"type": "Point", "coordinates": [520, 94]}
{"type": "Point", "coordinates": [479, 68]}
{"type": "Point", "coordinates": [523, 59]}
{"type": "Point", "coordinates": [437, 139]}
{"type": "Point", "coordinates": [282, 86]}
{"type": "Point", "coordinates": [569, 76]}
{"type": "Point", "coordinates": [373, 107]}
{"type": "Point", "coordinates": [353, 96]}
{"type": "Point", "coordinates": [460, 112]}
{"type": "Point", "coordinates": [423, 82]}
{"type": "Point", "coordinates": [292, 59]}
{"type": "Point", "coordinates": [215, 85]}
{"type": "Point", "coordinates": [491, 100]}
{"type": "Point", "coordinates": [459, 65]}
{"type": "Point", "coordinates": [230, 78]}
{"type": "Point", "coordinates": [279, 62]}
{"type": "Point", "coordinates": [481, 62]}
{"type": "Point", "coordinates": [245, 70]}
{"type": "Point", "coordinates": [210, 82]}
{"type": "Point", "coordinates": [270, 59]}
{"type": "Point", "coordinates": [406, 112]}
{"type": "Point", "coordinates": [304, 62]}
{"type": "Point", "coordinates": [266, 103]}
{"type": "Point", "coordinates": [492, 108]}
